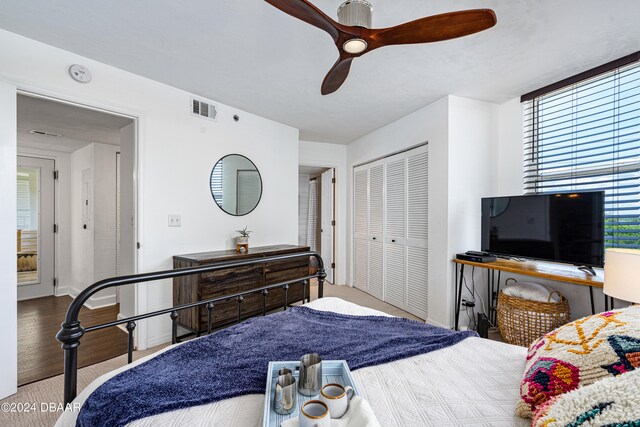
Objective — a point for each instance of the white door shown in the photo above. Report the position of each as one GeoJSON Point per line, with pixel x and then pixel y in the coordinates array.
{"type": "Point", "coordinates": [35, 222]}
{"type": "Point", "coordinates": [395, 233]}
{"type": "Point", "coordinates": [417, 232]}
{"type": "Point", "coordinates": [361, 228]}
{"type": "Point", "coordinates": [327, 223]}
{"type": "Point", "coordinates": [376, 230]}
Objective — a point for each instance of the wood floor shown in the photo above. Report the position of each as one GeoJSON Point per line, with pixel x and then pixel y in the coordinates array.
{"type": "Point", "coordinates": [39, 353]}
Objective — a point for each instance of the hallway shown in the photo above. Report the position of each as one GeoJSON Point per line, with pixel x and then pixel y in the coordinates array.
{"type": "Point", "coordinates": [39, 352]}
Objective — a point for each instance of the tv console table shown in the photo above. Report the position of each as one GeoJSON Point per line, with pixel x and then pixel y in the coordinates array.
{"type": "Point", "coordinates": [548, 270]}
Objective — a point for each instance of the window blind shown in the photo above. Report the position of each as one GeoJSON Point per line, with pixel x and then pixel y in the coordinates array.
{"type": "Point", "coordinates": [216, 182]}
{"type": "Point", "coordinates": [586, 136]}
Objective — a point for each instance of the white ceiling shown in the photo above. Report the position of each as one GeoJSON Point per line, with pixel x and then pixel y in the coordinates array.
{"type": "Point", "coordinates": [312, 171]}
{"type": "Point", "coordinates": [77, 126]}
{"type": "Point", "coordinates": [252, 56]}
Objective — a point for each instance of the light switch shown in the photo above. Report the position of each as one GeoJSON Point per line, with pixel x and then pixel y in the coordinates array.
{"type": "Point", "coordinates": [174, 220]}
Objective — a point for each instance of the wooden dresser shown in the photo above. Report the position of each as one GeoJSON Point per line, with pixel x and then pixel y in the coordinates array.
{"type": "Point", "coordinates": [228, 281]}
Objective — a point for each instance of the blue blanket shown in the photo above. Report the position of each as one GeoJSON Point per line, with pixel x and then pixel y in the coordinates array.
{"type": "Point", "coordinates": [234, 361]}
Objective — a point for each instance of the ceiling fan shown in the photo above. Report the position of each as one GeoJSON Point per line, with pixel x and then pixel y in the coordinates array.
{"type": "Point", "coordinates": [354, 36]}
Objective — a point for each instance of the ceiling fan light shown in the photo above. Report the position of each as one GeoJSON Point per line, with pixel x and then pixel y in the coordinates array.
{"type": "Point", "coordinates": [354, 46]}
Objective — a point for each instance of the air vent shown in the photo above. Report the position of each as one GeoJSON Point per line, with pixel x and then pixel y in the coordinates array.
{"type": "Point", "coordinates": [44, 133]}
{"type": "Point", "coordinates": [203, 109]}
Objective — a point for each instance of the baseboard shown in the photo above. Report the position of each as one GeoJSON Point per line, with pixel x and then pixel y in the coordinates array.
{"type": "Point", "coordinates": [99, 302]}
{"type": "Point", "coordinates": [157, 340]}
{"type": "Point", "coordinates": [67, 290]}
{"type": "Point", "coordinates": [92, 303]}
{"type": "Point", "coordinates": [434, 323]}
{"type": "Point", "coordinates": [121, 326]}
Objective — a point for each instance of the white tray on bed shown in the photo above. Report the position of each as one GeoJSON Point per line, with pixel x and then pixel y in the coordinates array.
{"type": "Point", "coordinates": [333, 371]}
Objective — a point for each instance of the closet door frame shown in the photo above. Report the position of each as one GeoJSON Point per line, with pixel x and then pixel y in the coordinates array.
{"type": "Point", "coordinates": [405, 242]}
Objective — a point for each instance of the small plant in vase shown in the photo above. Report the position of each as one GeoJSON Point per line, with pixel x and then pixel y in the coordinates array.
{"type": "Point", "coordinates": [242, 241]}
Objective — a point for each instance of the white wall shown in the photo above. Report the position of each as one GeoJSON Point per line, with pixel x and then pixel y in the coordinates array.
{"type": "Point", "coordinates": [473, 169]}
{"type": "Point", "coordinates": [462, 135]}
{"type": "Point", "coordinates": [429, 124]}
{"type": "Point", "coordinates": [8, 275]}
{"type": "Point", "coordinates": [335, 156]}
{"type": "Point", "coordinates": [177, 151]}
{"type": "Point", "coordinates": [510, 149]}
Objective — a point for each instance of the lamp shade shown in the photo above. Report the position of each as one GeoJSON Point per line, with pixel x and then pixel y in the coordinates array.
{"type": "Point", "coordinates": [622, 274]}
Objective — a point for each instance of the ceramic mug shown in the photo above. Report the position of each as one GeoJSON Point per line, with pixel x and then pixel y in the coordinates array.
{"type": "Point", "coordinates": [314, 413]}
{"type": "Point", "coordinates": [337, 398]}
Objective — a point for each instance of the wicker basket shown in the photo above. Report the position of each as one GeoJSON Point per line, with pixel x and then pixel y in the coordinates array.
{"type": "Point", "coordinates": [522, 321]}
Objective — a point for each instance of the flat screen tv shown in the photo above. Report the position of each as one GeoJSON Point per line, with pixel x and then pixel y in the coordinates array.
{"type": "Point", "coordinates": [566, 227]}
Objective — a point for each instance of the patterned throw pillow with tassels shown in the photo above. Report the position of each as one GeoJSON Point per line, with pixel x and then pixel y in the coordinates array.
{"type": "Point", "coordinates": [611, 402]}
{"type": "Point", "coordinates": [578, 354]}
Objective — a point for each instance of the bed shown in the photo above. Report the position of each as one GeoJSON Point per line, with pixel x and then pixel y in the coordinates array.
{"type": "Point", "coordinates": [472, 383]}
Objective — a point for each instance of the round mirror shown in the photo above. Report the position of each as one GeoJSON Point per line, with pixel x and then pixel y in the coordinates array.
{"type": "Point", "coordinates": [236, 185]}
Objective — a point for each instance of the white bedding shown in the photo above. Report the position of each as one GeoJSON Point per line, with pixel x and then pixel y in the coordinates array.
{"type": "Point", "coordinates": [473, 383]}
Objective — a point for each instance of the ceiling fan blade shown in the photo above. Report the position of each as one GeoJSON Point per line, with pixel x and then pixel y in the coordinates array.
{"type": "Point", "coordinates": [308, 13]}
{"type": "Point", "coordinates": [336, 75]}
{"type": "Point", "coordinates": [434, 28]}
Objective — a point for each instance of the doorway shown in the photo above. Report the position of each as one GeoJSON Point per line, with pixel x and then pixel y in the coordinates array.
{"type": "Point", "coordinates": [316, 210]}
{"type": "Point", "coordinates": [76, 222]}
{"type": "Point", "coordinates": [35, 227]}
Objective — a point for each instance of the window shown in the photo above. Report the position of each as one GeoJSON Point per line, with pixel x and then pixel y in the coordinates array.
{"type": "Point", "coordinates": [27, 200]}
{"type": "Point", "coordinates": [583, 134]}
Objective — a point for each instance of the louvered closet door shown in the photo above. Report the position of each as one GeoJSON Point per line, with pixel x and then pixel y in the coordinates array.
{"type": "Point", "coordinates": [391, 230]}
{"type": "Point", "coordinates": [361, 228]}
{"type": "Point", "coordinates": [376, 230]}
{"type": "Point", "coordinates": [394, 241]}
{"type": "Point", "coordinates": [417, 232]}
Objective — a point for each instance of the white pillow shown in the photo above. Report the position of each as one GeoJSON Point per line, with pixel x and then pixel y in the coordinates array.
{"type": "Point", "coordinates": [531, 291]}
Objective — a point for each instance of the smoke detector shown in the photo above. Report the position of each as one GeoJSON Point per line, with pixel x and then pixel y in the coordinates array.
{"type": "Point", "coordinates": [80, 73]}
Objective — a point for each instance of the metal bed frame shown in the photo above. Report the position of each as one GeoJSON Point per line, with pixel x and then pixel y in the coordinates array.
{"type": "Point", "coordinates": [72, 330]}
